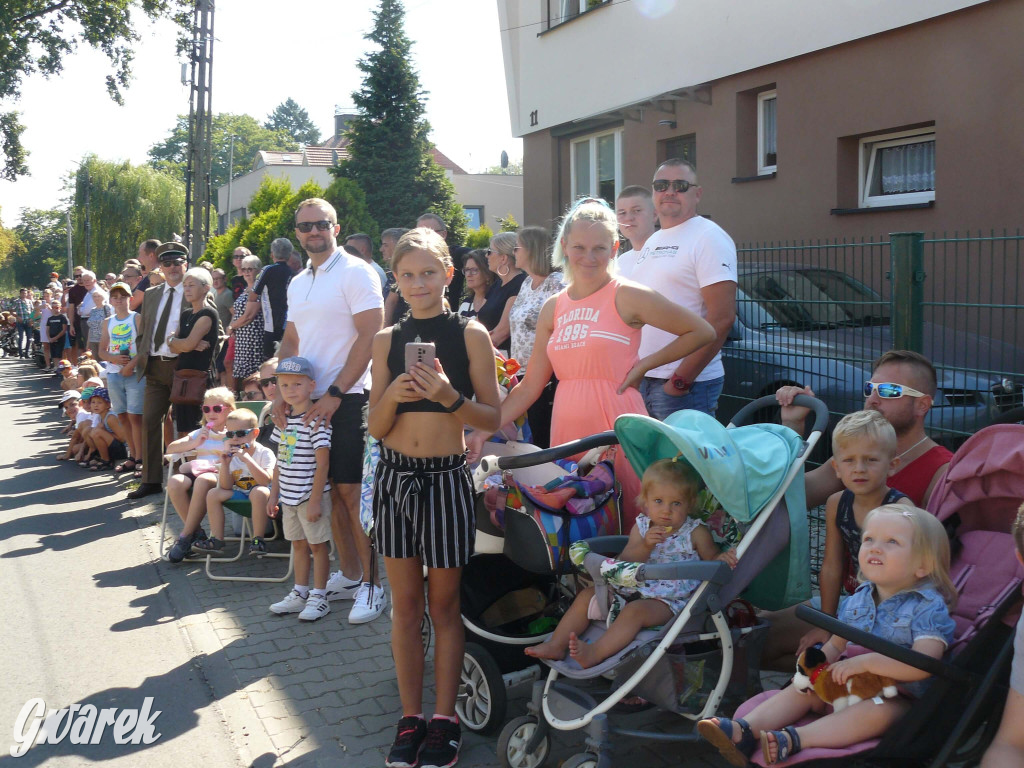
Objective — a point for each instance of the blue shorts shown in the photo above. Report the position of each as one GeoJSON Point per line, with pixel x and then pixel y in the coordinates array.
{"type": "Point", "coordinates": [126, 393]}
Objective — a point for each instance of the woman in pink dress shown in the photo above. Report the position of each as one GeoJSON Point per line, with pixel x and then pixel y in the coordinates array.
{"type": "Point", "coordinates": [589, 336]}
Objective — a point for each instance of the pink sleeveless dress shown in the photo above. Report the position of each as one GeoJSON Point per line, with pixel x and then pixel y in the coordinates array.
{"type": "Point", "coordinates": [591, 350]}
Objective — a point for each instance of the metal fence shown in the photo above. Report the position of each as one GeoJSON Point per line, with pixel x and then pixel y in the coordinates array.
{"type": "Point", "coordinates": [818, 313]}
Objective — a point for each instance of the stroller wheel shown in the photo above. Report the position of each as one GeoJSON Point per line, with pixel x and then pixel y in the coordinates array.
{"type": "Point", "coordinates": [582, 760]}
{"type": "Point", "coordinates": [513, 740]}
{"type": "Point", "coordinates": [482, 699]}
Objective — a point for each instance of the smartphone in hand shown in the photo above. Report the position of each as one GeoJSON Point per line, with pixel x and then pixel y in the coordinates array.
{"type": "Point", "coordinates": [419, 352]}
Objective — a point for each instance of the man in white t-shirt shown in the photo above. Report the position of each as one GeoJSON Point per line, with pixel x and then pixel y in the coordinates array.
{"type": "Point", "coordinates": [335, 307]}
{"type": "Point", "coordinates": [691, 261]}
{"type": "Point", "coordinates": [634, 209]}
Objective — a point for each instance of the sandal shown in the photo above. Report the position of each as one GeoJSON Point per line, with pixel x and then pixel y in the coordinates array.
{"type": "Point", "coordinates": [720, 736]}
{"type": "Point", "coordinates": [128, 465]}
{"type": "Point", "coordinates": [100, 466]}
{"type": "Point", "coordinates": [137, 473]}
{"type": "Point", "coordinates": [787, 743]}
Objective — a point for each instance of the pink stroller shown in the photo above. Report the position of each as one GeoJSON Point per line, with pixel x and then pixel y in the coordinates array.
{"type": "Point", "coordinates": [977, 500]}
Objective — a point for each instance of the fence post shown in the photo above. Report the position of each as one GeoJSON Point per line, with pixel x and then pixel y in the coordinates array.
{"type": "Point", "coordinates": [906, 255]}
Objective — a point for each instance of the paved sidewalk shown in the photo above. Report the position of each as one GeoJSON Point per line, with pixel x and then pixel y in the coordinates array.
{"type": "Point", "coordinates": [299, 694]}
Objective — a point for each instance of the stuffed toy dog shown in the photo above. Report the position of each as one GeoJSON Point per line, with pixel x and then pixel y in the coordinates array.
{"type": "Point", "coordinates": [812, 674]}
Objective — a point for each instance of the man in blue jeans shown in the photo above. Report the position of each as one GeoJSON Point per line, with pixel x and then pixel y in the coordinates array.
{"type": "Point", "coordinates": [691, 261]}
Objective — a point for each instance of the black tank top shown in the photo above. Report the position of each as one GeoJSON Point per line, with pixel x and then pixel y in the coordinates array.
{"type": "Point", "coordinates": [448, 332]}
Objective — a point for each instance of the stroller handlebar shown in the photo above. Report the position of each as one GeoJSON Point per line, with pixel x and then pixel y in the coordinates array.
{"type": "Point", "coordinates": [878, 645]}
{"type": "Point", "coordinates": [819, 409]}
{"type": "Point", "coordinates": [491, 464]}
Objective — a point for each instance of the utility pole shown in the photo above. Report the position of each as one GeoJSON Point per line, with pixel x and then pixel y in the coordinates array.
{"type": "Point", "coordinates": [88, 220]}
{"type": "Point", "coordinates": [231, 174]}
{"type": "Point", "coordinates": [198, 170]}
{"type": "Point", "coordinates": [71, 266]}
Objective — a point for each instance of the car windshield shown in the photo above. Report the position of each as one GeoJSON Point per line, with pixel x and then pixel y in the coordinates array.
{"type": "Point", "coordinates": [814, 299]}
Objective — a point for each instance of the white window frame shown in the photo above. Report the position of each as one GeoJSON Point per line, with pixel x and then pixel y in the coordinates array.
{"type": "Point", "coordinates": [868, 156]}
{"type": "Point", "coordinates": [592, 139]}
{"type": "Point", "coordinates": [565, 10]}
{"type": "Point", "coordinates": [762, 169]}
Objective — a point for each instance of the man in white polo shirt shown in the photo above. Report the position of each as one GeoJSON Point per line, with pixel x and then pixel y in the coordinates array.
{"type": "Point", "coordinates": [691, 261]}
{"type": "Point", "coordinates": [335, 307]}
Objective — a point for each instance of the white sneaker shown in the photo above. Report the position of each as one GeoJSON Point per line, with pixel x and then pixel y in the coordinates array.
{"type": "Point", "coordinates": [293, 603]}
{"type": "Point", "coordinates": [369, 604]}
{"type": "Point", "coordinates": [316, 608]}
{"type": "Point", "coordinates": [341, 588]}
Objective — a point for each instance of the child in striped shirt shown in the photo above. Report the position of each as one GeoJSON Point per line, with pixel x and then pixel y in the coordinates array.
{"type": "Point", "coordinates": [300, 485]}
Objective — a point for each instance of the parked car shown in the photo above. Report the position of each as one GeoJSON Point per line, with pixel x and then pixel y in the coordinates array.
{"type": "Point", "coordinates": [820, 327]}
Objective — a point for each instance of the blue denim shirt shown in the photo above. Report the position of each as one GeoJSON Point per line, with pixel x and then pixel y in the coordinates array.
{"type": "Point", "coordinates": [904, 618]}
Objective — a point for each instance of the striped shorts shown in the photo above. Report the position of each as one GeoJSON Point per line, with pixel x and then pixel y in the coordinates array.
{"type": "Point", "coordinates": [424, 508]}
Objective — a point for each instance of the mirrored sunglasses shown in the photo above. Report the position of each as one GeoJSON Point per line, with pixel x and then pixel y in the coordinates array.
{"type": "Point", "coordinates": [889, 391]}
{"type": "Point", "coordinates": [678, 185]}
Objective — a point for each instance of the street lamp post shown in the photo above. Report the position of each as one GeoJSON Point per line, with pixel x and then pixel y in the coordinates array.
{"type": "Point", "coordinates": [231, 174]}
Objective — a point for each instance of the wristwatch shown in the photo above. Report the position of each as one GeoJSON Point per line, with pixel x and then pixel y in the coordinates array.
{"type": "Point", "coordinates": [681, 384]}
{"type": "Point", "coordinates": [333, 391]}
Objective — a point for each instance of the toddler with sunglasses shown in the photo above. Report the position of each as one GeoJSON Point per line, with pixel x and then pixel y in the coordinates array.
{"type": "Point", "coordinates": [200, 474]}
{"type": "Point", "coordinates": [246, 471]}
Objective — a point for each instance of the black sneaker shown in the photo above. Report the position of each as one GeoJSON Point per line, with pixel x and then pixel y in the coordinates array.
{"type": "Point", "coordinates": [441, 748]}
{"type": "Point", "coordinates": [257, 547]}
{"type": "Point", "coordinates": [408, 742]}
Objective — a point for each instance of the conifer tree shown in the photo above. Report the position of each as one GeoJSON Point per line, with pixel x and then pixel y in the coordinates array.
{"type": "Point", "coordinates": [390, 151]}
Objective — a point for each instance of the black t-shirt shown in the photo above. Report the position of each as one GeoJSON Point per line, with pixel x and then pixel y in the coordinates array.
{"type": "Point", "coordinates": [195, 359]}
{"type": "Point", "coordinates": [490, 313]}
{"type": "Point", "coordinates": [143, 285]}
{"type": "Point", "coordinates": [457, 285]}
{"type": "Point", "coordinates": [55, 324]}
{"type": "Point", "coordinates": [274, 281]}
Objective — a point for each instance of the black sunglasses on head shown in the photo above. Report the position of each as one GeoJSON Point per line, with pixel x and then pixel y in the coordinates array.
{"type": "Point", "coordinates": [307, 226]}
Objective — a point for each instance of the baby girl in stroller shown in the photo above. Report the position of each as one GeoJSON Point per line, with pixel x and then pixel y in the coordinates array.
{"type": "Point", "coordinates": [663, 533]}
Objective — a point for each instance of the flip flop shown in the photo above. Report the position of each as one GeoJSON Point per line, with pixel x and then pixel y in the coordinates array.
{"type": "Point", "coordinates": [128, 465]}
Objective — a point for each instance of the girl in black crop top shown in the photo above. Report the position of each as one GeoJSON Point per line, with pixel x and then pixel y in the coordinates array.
{"type": "Point", "coordinates": [423, 506]}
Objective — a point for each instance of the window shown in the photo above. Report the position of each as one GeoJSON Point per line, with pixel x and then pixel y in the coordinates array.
{"type": "Point", "coordinates": [596, 165]}
{"type": "Point", "coordinates": [560, 11]}
{"type": "Point", "coordinates": [474, 215]}
{"type": "Point", "coordinates": [766, 154]}
{"type": "Point", "coordinates": [897, 168]}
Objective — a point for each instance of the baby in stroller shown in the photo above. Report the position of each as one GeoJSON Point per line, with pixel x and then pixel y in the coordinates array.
{"type": "Point", "coordinates": [906, 598]}
{"type": "Point", "coordinates": [663, 533]}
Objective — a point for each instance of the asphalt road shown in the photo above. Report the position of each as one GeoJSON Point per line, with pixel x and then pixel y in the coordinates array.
{"type": "Point", "coordinates": [87, 618]}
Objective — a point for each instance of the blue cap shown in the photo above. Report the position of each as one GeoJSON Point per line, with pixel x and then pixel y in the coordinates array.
{"type": "Point", "coordinates": [296, 366]}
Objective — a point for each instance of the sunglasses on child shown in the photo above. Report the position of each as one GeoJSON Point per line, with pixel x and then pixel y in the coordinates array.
{"type": "Point", "coordinates": [307, 226]}
{"type": "Point", "coordinates": [233, 434]}
{"type": "Point", "coordinates": [889, 391]}
{"type": "Point", "coordinates": [678, 185]}
{"type": "Point", "coordinates": [215, 408]}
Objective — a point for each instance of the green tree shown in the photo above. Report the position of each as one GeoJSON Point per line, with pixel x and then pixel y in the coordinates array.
{"type": "Point", "coordinates": [11, 248]}
{"type": "Point", "coordinates": [389, 152]}
{"type": "Point", "coordinates": [127, 204]}
{"type": "Point", "coordinates": [289, 117]}
{"type": "Point", "coordinates": [479, 238]}
{"type": "Point", "coordinates": [36, 36]}
{"type": "Point", "coordinates": [43, 233]}
{"type": "Point", "coordinates": [353, 213]}
{"type": "Point", "coordinates": [171, 154]}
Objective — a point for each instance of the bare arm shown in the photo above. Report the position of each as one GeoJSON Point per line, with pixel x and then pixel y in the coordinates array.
{"type": "Point", "coordinates": [252, 308]}
{"type": "Point", "coordinates": [289, 348]}
{"type": "Point", "coordinates": [883, 665]}
{"type": "Point", "coordinates": [382, 409]}
{"type": "Point", "coordinates": [720, 299]}
{"type": "Point", "coordinates": [820, 483]}
{"type": "Point", "coordinates": [706, 548]}
{"type": "Point", "coordinates": [1007, 749]}
{"type": "Point", "coordinates": [136, 300]}
{"type": "Point", "coordinates": [390, 305]}
{"type": "Point", "coordinates": [638, 305]}
{"type": "Point", "coordinates": [195, 338]}
{"type": "Point", "coordinates": [367, 323]}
